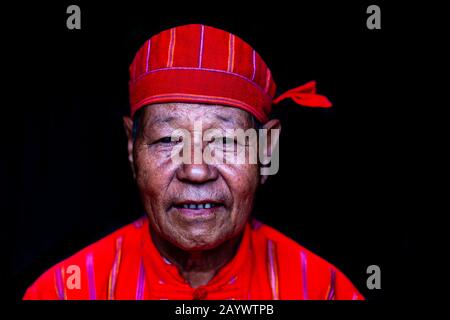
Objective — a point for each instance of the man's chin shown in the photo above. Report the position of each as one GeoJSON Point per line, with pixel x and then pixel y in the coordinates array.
{"type": "Point", "coordinates": [199, 240]}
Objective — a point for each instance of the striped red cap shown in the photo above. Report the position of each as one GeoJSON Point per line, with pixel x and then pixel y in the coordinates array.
{"type": "Point", "coordinates": [201, 64]}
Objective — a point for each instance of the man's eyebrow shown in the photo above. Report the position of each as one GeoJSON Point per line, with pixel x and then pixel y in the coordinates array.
{"type": "Point", "coordinates": [229, 120]}
{"type": "Point", "coordinates": [161, 119]}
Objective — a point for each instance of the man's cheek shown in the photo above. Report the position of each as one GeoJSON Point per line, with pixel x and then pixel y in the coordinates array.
{"type": "Point", "coordinates": [245, 180]}
{"type": "Point", "coordinates": [239, 175]}
{"type": "Point", "coordinates": [150, 171]}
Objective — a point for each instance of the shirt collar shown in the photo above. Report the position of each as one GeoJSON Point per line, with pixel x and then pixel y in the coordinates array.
{"type": "Point", "coordinates": [232, 279]}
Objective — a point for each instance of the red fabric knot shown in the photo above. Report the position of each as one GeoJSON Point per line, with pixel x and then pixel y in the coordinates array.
{"type": "Point", "coordinates": [200, 293]}
{"type": "Point", "coordinates": [305, 95]}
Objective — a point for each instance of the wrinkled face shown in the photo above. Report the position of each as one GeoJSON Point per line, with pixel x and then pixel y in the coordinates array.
{"type": "Point", "coordinates": [194, 206]}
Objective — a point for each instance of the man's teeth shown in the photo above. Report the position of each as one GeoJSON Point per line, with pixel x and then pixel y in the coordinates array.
{"type": "Point", "coordinates": [199, 206]}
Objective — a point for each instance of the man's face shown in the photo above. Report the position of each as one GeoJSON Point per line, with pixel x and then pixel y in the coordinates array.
{"type": "Point", "coordinates": [194, 206]}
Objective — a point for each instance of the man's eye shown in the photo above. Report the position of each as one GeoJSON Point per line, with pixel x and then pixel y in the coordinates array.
{"type": "Point", "coordinates": [167, 140]}
{"type": "Point", "coordinates": [228, 141]}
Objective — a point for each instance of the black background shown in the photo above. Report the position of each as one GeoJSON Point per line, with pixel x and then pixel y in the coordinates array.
{"type": "Point", "coordinates": [338, 188]}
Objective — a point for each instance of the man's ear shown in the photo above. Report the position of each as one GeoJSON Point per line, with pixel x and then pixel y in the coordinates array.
{"type": "Point", "coordinates": [128, 126]}
{"type": "Point", "coordinates": [273, 128]}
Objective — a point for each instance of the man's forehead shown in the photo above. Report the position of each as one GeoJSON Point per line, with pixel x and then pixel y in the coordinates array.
{"type": "Point", "coordinates": [168, 113]}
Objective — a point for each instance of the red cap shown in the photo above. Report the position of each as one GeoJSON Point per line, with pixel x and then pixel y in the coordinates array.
{"type": "Point", "coordinates": [201, 64]}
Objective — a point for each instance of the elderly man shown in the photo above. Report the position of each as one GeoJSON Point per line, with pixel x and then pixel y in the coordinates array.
{"type": "Point", "coordinates": [198, 240]}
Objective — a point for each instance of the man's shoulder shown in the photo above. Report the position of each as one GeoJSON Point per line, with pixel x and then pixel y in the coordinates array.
{"type": "Point", "coordinates": [280, 240]}
{"type": "Point", "coordinates": [105, 247]}
{"type": "Point", "coordinates": [288, 249]}
{"type": "Point", "coordinates": [100, 254]}
{"type": "Point", "coordinates": [294, 259]}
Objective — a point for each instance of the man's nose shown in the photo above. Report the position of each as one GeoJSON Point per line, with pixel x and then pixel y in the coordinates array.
{"type": "Point", "coordinates": [197, 173]}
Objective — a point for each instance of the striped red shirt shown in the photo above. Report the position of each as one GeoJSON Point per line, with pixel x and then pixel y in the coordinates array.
{"type": "Point", "coordinates": [127, 265]}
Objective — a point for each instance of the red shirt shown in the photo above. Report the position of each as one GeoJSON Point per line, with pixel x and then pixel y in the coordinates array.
{"type": "Point", "coordinates": [127, 265]}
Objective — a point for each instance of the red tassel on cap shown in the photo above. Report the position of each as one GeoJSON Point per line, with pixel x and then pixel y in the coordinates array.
{"type": "Point", "coordinates": [305, 95]}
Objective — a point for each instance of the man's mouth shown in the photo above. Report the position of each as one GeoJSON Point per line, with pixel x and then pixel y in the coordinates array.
{"type": "Point", "coordinates": [197, 206]}
{"type": "Point", "coordinates": [198, 210]}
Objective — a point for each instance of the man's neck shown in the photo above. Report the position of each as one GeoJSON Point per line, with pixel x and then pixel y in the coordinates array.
{"type": "Point", "coordinates": [197, 267]}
